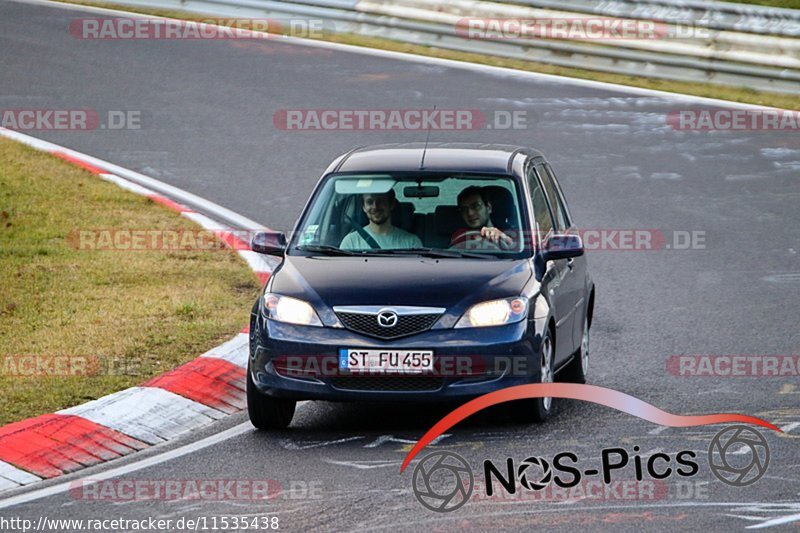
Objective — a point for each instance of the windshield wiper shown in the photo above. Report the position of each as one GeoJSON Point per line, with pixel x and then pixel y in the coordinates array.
{"type": "Point", "coordinates": [333, 250]}
{"type": "Point", "coordinates": [325, 249]}
{"type": "Point", "coordinates": [424, 252]}
{"type": "Point", "coordinates": [438, 252]}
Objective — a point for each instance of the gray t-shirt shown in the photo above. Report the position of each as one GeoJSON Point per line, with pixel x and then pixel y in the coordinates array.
{"type": "Point", "coordinates": [397, 238]}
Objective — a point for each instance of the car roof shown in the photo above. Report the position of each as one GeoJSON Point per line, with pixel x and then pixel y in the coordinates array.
{"type": "Point", "coordinates": [439, 157]}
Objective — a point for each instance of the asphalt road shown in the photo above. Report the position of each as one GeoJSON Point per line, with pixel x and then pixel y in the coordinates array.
{"type": "Point", "coordinates": [207, 112]}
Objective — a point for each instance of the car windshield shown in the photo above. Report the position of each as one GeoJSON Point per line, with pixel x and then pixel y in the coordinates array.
{"type": "Point", "coordinates": [437, 215]}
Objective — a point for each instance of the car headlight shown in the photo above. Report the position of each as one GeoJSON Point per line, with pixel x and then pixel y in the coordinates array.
{"type": "Point", "coordinates": [495, 313]}
{"type": "Point", "coordinates": [290, 310]}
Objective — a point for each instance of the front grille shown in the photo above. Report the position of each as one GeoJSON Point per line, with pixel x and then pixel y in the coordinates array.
{"type": "Point", "coordinates": [406, 324]}
{"type": "Point", "coordinates": [403, 383]}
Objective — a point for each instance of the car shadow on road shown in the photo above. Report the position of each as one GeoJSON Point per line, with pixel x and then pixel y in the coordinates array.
{"type": "Point", "coordinates": [346, 418]}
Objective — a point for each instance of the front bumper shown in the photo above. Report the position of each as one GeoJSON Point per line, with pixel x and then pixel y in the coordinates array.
{"type": "Point", "coordinates": [468, 362]}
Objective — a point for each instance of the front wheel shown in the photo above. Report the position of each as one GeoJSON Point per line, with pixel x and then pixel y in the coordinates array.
{"type": "Point", "coordinates": [267, 412]}
{"type": "Point", "coordinates": [577, 369]}
{"type": "Point", "coordinates": [537, 409]}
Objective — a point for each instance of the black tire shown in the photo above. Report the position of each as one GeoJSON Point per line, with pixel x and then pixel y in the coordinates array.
{"type": "Point", "coordinates": [267, 412]}
{"type": "Point", "coordinates": [536, 409]}
{"type": "Point", "coordinates": [577, 369]}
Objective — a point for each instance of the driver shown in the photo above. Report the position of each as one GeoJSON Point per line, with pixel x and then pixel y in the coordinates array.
{"type": "Point", "coordinates": [378, 208]}
{"type": "Point", "coordinates": [476, 211]}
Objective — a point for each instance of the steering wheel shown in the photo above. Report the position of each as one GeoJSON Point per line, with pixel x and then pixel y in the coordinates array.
{"type": "Point", "coordinates": [464, 240]}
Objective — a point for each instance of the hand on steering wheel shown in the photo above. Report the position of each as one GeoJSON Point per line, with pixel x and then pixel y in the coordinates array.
{"type": "Point", "coordinates": [473, 240]}
{"type": "Point", "coordinates": [496, 237]}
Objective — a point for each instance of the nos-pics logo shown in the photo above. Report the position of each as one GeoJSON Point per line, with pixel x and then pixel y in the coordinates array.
{"type": "Point", "coordinates": [443, 481]}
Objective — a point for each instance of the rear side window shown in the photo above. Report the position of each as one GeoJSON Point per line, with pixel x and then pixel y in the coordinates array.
{"type": "Point", "coordinates": [559, 213]}
{"type": "Point", "coordinates": [541, 212]}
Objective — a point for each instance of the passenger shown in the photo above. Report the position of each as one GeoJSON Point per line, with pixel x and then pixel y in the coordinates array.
{"type": "Point", "coordinates": [378, 208]}
{"type": "Point", "coordinates": [476, 211]}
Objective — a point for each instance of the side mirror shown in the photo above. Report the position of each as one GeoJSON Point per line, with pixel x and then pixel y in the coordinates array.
{"type": "Point", "coordinates": [269, 242]}
{"type": "Point", "coordinates": [562, 247]}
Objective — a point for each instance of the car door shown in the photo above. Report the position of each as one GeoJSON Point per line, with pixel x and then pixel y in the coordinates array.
{"type": "Point", "coordinates": [553, 280]}
{"type": "Point", "coordinates": [574, 283]}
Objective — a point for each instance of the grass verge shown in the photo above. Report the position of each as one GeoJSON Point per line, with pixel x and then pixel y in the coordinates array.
{"type": "Point", "coordinates": [129, 314]}
{"type": "Point", "coordinates": [787, 4]}
{"type": "Point", "coordinates": [735, 94]}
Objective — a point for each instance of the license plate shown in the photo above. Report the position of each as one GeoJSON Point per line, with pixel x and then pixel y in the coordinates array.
{"type": "Point", "coordinates": [386, 361]}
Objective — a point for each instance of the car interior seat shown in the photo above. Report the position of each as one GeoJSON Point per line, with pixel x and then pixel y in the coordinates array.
{"type": "Point", "coordinates": [504, 210]}
{"type": "Point", "coordinates": [446, 219]}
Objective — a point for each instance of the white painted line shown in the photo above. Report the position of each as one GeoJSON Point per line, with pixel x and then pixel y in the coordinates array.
{"type": "Point", "coordinates": [127, 185]}
{"type": "Point", "coordinates": [204, 221]}
{"type": "Point", "coordinates": [383, 439]}
{"type": "Point", "coordinates": [289, 445]}
{"type": "Point", "coordinates": [149, 414]}
{"type": "Point", "coordinates": [364, 465]}
{"type": "Point", "coordinates": [788, 427]}
{"type": "Point", "coordinates": [15, 475]}
{"type": "Point", "coordinates": [742, 450]}
{"type": "Point", "coordinates": [746, 517]}
{"type": "Point", "coordinates": [461, 65]}
{"type": "Point", "coordinates": [245, 427]}
{"type": "Point", "coordinates": [657, 431]}
{"type": "Point", "coordinates": [438, 439]}
{"type": "Point", "coordinates": [779, 521]}
{"type": "Point", "coordinates": [235, 351]}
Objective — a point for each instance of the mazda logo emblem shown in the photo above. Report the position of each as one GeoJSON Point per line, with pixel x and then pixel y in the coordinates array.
{"type": "Point", "coordinates": [387, 319]}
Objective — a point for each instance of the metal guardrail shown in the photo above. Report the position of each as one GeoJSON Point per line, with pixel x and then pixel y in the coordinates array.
{"type": "Point", "coordinates": [716, 15]}
{"type": "Point", "coordinates": [690, 41]}
{"type": "Point", "coordinates": [562, 53]}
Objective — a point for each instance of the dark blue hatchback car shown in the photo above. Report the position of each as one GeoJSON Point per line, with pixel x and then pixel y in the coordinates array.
{"type": "Point", "coordinates": [422, 273]}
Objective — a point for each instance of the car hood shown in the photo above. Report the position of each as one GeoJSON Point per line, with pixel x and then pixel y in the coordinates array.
{"type": "Point", "coordinates": [450, 283]}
